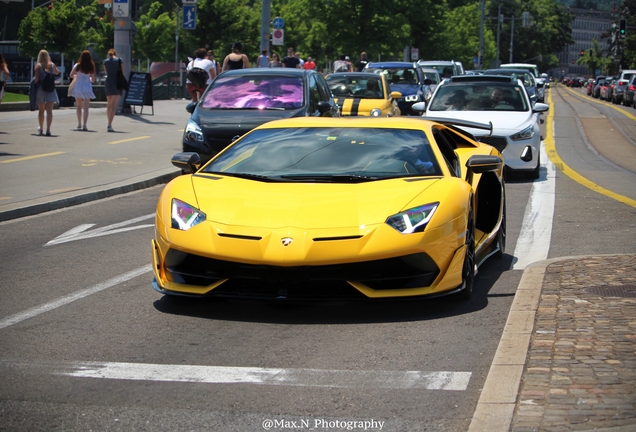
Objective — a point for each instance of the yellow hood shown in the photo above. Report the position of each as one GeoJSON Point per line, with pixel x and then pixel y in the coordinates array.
{"type": "Point", "coordinates": [240, 202]}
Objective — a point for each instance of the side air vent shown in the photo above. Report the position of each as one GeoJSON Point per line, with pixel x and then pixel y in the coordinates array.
{"type": "Point", "coordinates": [240, 237]}
{"type": "Point", "coordinates": [355, 237]}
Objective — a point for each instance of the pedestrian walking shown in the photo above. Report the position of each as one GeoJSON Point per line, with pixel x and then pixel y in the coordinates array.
{"type": "Point", "coordinates": [301, 62]}
{"type": "Point", "coordinates": [275, 61]}
{"type": "Point", "coordinates": [83, 73]}
{"type": "Point", "coordinates": [309, 64]}
{"type": "Point", "coordinates": [112, 65]}
{"type": "Point", "coordinates": [200, 61]}
{"type": "Point", "coordinates": [4, 76]}
{"type": "Point", "coordinates": [362, 62]}
{"type": "Point", "coordinates": [217, 66]}
{"type": "Point", "coordinates": [236, 59]}
{"type": "Point", "coordinates": [45, 95]}
{"type": "Point", "coordinates": [342, 65]}
{"type": "Point", "coordinates": [290, 60]}
{"type": "Point", "coordinates": [263, 60]}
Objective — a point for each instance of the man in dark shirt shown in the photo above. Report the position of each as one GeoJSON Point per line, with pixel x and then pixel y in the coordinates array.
{"type": "Point", "coordinates": [290, 60]}
{"type": "Point", "coordinates": [360, 64]}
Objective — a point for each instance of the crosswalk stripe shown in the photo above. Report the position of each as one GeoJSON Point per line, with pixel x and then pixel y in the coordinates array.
{"type": "Point", "coordinates": [269, 376]}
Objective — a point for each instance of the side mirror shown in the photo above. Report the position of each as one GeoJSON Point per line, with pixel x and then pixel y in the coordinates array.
{"type": "Point", "coordinates": [428, 81]}
{"type": "Point", "coordinates": [188, 162]}
{"type": "Point", "coordinates": [419, 107]}
{"type": "Point", "coordinates": [480, 164]}
{"type": "Point", "coordinates": [395, 95]}
{"type": "Point", "coordinates": [324, 106]}
{"type": "Point", "coordinates": [190, 107]}
{"type": "Point", "coordinates": [540, 107]}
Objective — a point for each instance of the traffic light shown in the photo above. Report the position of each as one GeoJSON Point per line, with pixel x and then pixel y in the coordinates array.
{"type": "Point", "coordinates": [582, 54]}
{"type": "Point", "coordinates": [622, 26]}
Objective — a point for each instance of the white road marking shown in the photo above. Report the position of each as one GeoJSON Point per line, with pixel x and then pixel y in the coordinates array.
{"type": "Point", "coordinates": [80, 233]}
{"type": "Point", "coordinates": [30, 313]}
{"type": "Point", "coordinates": [270, 376]}
{"type": "Point", "coordinates": [533, 243]}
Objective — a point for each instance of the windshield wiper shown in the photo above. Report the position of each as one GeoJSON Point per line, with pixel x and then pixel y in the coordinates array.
{"type": "Point", "coordinates": [335, 178]}
{"type": "Point", "coordinates": [241, 175]}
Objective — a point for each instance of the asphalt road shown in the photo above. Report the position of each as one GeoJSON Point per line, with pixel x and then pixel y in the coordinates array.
{"type": "Point", "coordinates": [73, 313]}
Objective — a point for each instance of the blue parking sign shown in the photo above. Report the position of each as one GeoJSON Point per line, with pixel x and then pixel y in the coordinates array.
{"type": "Point", "coordinates": [189, 17]}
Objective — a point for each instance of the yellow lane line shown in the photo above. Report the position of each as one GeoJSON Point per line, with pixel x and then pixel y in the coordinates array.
{"type": "Point", "coordinates": [550, 148]}
{"type": "Point", "coordinates": [600, 102]}
{"type": "Point", "coordinates": [130, 139]}
{"type": "Point", "coordinates": [32, 157]}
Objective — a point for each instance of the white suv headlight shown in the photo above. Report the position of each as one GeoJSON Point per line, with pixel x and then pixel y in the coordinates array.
{"type": "Point", "coordinates": [525, 134]}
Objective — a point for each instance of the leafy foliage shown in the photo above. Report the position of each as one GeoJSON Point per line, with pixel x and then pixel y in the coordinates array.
{"type": "Point", "coordinates": [62, 28]}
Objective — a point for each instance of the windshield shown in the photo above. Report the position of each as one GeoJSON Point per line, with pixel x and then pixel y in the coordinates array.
{"type": "Point", "coordinates": [328, 155]}
{"type": "Point", "coordinates": [396, 75]}
{"type": "Point", "coordinates": [479, 97]}
{"type": "Point", "coordinates": [343, 85]}
{"type": "Point", "coordinates": [250, 92]}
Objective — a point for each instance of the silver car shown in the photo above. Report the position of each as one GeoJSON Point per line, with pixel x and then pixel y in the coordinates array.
{"type": "Point", "coordinates": [501, 100]}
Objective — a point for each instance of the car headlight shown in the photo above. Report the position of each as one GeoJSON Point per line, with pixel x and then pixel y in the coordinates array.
{"type": "Point", "coordinates": [525, 134]}
{"type": "Point", "coordinates": [184, 216]}
{"type": "Point", "coordinates": [376, 112]}
{"type": "Point", "coordinates": [193, 132]}
{"type": "Point", "coordinates": [412, 220]}
{"type": "Point", "coordinates": [412, 98]}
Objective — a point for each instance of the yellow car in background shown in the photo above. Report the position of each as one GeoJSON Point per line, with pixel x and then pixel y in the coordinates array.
{"type": "Point", "coordinates": [319, 208]}
{"type": "Point", "coordinates": [363, 94]}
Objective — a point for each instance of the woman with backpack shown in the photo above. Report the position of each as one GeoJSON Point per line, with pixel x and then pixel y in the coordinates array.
{"type": "Point", "coordinates": [45, 96]}
{"type": "Point", "coordinates": [83, 73]}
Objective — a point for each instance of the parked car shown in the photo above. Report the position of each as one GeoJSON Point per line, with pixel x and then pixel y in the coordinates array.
{"type": "Point", "coordinates": [406, 78]}
{"type": "Point", "coordinates": [598, 82]}
{"type": "Point", "coordinates": [239, 100]}
{"type": "Point", "coordinates": [618, 91]}
{"type": "Point", "coordinates": [363, 94]}
{"type": "Point", "coordinates": [317, 208]}
{"type": "Point", "coordinates": [526, 78]}
{"type": "Point", "coordinates": [501, 100]}
{"type": "Point", "coordinates": [628, 98]}
{"type": "Point", "coordinates": [604, 95]}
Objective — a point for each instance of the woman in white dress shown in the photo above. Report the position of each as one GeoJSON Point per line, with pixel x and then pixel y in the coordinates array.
{"type": "Point", "coordinates": [84, 75]}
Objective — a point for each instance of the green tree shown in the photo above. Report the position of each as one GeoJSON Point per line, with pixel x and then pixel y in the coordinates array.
{"type": "Point", "coordinates": [62, 28]}
{"type": "Point", "coordinates": [594, 59]}
{"type": "Point", "coordinates": [461, 36]}
{"type": "Point", "coordinates": [156, 35]}
{"type": "Point", "coordinates": [222, 22]}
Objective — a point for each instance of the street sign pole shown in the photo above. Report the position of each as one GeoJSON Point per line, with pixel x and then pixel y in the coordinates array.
{"type": "Point", "coordinates": [123, 26]}
{"type": "Point", "coordinates": [265, 16]}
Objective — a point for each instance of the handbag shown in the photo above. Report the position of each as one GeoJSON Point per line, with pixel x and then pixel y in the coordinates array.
{"type": "Point", "coordinates": [71, 86]}
{"type": "Point", "coordinates": [122, 82]}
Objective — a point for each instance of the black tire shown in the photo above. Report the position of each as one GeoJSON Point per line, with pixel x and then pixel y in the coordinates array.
{"type": "Point", "coordinates": [468, 269]}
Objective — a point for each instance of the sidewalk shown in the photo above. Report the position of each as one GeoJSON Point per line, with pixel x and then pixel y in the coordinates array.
{"type": "Point", "coordinates": [566, 360]}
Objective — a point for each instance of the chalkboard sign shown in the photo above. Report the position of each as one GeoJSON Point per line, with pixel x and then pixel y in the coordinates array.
{"type": "Point", "coordinates": [139, 90]}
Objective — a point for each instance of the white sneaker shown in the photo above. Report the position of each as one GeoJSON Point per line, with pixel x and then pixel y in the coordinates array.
{"type": "Point", "coordinates": [110, 129]}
